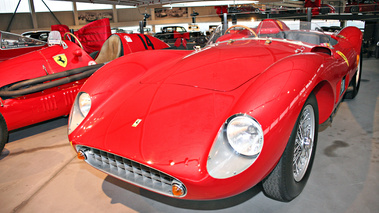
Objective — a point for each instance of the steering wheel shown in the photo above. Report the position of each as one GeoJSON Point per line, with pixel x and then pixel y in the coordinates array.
{"type": "Point", "coordinates": [242, 26]}
{"type": "Point", "coordinates": [76, 39]}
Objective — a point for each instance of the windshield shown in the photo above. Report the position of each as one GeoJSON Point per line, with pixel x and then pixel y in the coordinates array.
{"type": "Point", "coordinates": [306, 32]}
{"type": "Point", "coordinates": [11, 41]}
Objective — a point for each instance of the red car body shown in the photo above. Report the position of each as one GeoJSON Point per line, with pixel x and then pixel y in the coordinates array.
{"type": "Point", "coordinates": [12, 45]}
{"type": "Point", "coordinates": [159, 120]}
{"type": "Point", "coordinates": [358, 6]}
{"type": "Point", "coordinates": [19, 108]}
{"type": "Point", "coordinates": [91, 36]}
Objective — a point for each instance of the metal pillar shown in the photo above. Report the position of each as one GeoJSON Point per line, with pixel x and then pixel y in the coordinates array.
{"type": "Point", "coordinates": [224, 22]}
{"type": "Point", "coordinates": [76, 16]}
{"type": "Point", "coordinates": [309, 14]}
{"type": "Point", "coordinates": [115, 15]}
{"type": "Point", "coordinates": [141, 23]}
{"type": "Point", "coordinates": [33, 14]}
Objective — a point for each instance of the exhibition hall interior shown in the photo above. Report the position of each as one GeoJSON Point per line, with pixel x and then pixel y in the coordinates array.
{"type": "Point", "coordinates": [189, 106]}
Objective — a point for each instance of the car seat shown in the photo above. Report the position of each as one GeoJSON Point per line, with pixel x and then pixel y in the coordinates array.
{"type": "Point", "coordinates": [111, 49]}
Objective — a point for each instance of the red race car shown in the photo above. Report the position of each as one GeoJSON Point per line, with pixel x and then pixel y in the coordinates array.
{"type": "Point", "coordinates": [359, 6]}
{"type": "Point", "coordinates": [12, 45]}
{"type": "Point", "coordinates": [212, 123]}
{"type": "Point", "coordinates": [90, 37]}
{"type": "Point", "coordinates": [42, 85]}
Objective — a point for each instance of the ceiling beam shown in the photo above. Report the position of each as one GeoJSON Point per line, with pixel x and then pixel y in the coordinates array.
{"type": "Point", "coordinates": [33, 14]}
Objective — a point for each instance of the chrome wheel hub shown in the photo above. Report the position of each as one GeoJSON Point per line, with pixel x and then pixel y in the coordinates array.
{"type": "Point", "coordinates": [304, 143]}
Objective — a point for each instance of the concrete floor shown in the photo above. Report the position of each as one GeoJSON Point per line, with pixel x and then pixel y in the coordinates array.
{"type": "Point", "coordinates": [40, 173]}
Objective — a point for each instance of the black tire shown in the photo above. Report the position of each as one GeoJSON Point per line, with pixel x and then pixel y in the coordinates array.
{"type": "Point", "coordinates": [354, 9]}
{"type": "Point", "coordinates": [355, 82]}
{"type": "Point", "coordinates": [283, 183]}
{"type": "Point", "coordinates": [3, 133]}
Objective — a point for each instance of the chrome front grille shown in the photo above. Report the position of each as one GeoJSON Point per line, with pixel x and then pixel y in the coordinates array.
{"type": "Point", "coordinates": [130, 171]}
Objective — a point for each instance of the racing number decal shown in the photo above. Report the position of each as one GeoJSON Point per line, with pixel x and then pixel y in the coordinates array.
{"type": "Point", "coordinates": [146, 43]}
{"type": "Point", "coordinates": [61, 60]}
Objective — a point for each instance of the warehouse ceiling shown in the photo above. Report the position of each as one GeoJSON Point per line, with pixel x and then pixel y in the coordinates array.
{"type": "Point", "coordinates": [159, 3]}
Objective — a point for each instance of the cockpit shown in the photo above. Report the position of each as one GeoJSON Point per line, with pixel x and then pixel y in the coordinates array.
{"type": "Point", "coordinates": [308, 33]}
{"type": "Point", "coordinates": [11, 41]}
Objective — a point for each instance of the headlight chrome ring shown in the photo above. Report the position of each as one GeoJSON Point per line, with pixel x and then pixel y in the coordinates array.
{"type": "Point", "coordinates": [236, 147]}
{"type": "Point", "coordinates": [84, 103]}
{"type": "Point", "coordinates": [244, 134]}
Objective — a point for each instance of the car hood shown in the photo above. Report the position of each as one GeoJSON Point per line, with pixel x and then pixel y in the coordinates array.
{"type": "Point", "coordinates": [168, 127]}
{"type": "Point", "coordinates": [167, 118]}
{"type": "Point", "coordinates": [222, 67]}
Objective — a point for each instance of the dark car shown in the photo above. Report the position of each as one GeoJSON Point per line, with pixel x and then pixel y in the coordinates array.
{"type": "Point", "coordinates": [356, 6]}
{"type": "Point", "coordinates": [179, 37]}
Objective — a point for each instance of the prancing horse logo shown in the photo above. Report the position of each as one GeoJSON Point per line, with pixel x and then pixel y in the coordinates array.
{"type": "Point", "coordinates": [61, 60]}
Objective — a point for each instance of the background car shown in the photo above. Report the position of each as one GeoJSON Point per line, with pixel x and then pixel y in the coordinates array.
{"type": "Point", "coordinates": [41, 85]}
{"type": "Point", "coordinates": [358, 6]}
{"type": "Point", "coordinates": [91, 37]}
{"type": "Point", "coordinates": [178, 36]}
{"type": "Point", "coordinates": [212, 123]}
{"type": "Point", "coordinates": [12, 45]}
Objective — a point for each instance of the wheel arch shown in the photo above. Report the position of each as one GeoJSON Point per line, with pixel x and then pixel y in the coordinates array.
{"type": "Point", "coordinates": [276, 97]}
{"type": "Point", "coordinates": [325, 100]}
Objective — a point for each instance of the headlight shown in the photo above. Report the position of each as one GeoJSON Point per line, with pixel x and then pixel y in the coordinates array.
{"type": "Point", "coordinates": [79, 111]}
{"type": "Point", "coordinates": [84, 103]}
{"type": "Point", "coordinates": [236, 147]}
{"type": "Point", "coordinates": [245, 135]}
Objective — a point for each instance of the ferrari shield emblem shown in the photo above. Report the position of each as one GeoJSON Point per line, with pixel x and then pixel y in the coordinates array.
{"type": "Point", "coordinates": [135, 124]}
{"type": "Point", "coordinates": [61, 60]}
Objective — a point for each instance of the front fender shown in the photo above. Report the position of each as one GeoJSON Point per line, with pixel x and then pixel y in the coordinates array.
{"type": "Point", "coordinates": [275, 99]}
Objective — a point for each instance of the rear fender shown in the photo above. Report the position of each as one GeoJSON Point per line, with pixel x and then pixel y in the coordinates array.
{"type": "Point", "coordinates": [353, 35]}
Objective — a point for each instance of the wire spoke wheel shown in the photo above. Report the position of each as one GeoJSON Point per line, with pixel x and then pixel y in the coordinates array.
{"type": "Point", "coordinates": [303, 143]}
{"type": "Point", "coordinates": [292, 172]}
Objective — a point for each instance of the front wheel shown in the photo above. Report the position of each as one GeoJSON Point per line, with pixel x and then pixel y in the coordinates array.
{"type": "Point", "coordinates": [3, 133]}
{"type": "Point", "coordinates": [290, 175]}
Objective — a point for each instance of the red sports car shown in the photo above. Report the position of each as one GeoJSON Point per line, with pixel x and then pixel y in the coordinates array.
{"type": "Point", "coordinates": [42, 85]}
{"type": "Point", "coordinates": [212, 123]}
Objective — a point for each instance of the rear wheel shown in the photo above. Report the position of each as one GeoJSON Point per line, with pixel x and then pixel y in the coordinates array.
{"type": "Point", "coordinates": [353, 88]}
{"type": "Point", "coordinates": [290, 175]}
{"type": "Point", "coordinates": [3, 133]}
